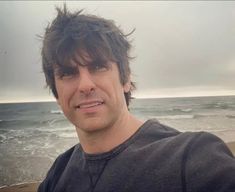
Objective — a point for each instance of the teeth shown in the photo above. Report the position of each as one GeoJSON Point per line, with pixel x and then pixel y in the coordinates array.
{"type": "Point", "coordinates": [89, 105]}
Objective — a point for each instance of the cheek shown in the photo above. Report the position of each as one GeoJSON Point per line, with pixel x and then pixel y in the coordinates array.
{"type": "Point", "coordinates": [116, 92]}
{"type": "Point", "coordinates": [64, 92]}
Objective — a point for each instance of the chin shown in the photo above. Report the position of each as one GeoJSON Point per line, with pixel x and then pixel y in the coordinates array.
{"type": "Point", "coordinates": [92, 125]}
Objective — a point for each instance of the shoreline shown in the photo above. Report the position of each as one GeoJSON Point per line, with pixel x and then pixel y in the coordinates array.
{"type": "Point", "coordinates": [21, 187]}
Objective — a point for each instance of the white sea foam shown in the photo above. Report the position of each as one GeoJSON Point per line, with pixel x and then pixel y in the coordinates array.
{"type": "Point", "coordinates": [182, 110]}
{"type": "Point", "coordinates": [56, 112]}
{"type": "Point", "coordinates": [56, 129]}
{"type": "Point", "coordinates": [186, 110]}
{"type": "Point", "coordinates": [51, 123]}
{"type": "Point", "coordinates": [2, 138]}
{"type": "Point", "coordinates": [68, 135]}
{"type": "Point", "coordinates": [174, 117]}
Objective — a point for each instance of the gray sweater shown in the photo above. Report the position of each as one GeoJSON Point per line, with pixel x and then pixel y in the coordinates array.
{"type": "Point", "coordinates": [156, 158]}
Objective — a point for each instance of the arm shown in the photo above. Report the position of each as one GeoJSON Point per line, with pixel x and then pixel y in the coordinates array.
{"type": "Point", "coordinates": [208, 165]}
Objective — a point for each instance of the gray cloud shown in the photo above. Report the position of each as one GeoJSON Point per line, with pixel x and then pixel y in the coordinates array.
{"type": "Point", "coordinates": [181, 46]}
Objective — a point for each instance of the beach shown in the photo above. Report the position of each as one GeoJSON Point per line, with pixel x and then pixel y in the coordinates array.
{"type": "Point", "coordinates": [32, 135]}
{"type": "Point", "coordinates": [25, 187]}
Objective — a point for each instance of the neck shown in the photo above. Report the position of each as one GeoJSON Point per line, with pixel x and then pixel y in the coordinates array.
{"type": "Point", "coordinates": [107, 139]}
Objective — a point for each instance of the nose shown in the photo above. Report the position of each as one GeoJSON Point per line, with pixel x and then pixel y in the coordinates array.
{"type": "Point", "coordinates": [86, 84]}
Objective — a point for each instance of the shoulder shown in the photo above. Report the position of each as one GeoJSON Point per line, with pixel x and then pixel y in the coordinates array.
{"type": "Point", "coordinates": [157, 130]}
{"type": "Point", "coordinates": [207, 163]}
{"type": "Point", "coordinates": [56, 170]}
{"type": "Point", "coordinates": [195, 147]}
{"type": "Point", "coordinates": [185, 141]}
{"type": "Point", "coordinates": [153, 132]}
{"type": "Point", "coordinates": [191, 148]}
{"type": "Point", "coordinates": [204, 144]}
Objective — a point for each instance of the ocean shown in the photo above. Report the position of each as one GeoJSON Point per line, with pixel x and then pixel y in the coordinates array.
{"type": "Point", "coordinates": [33, 134]}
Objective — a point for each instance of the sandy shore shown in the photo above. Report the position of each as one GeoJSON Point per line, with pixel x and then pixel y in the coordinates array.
{"type": "Point", "coordinates": [26, 187]}
{"type": "Point", "coordinates": [231, 146]}
{"type": "Point", "coordinates": [32, 187]}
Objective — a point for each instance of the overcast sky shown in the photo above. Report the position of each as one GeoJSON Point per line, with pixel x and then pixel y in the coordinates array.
{"type": "Point", "coordinates": [182, 48]}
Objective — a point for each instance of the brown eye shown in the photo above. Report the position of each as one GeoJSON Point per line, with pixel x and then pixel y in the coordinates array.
{"type": "Point", "coordinates": [66, 73]}
{"type": "Point", "coordinates": [98, 66]}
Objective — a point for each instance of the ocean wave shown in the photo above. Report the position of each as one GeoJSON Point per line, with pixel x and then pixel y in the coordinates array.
{"type": "Point", "coordinates": [68, 135]}
{"type": "Point", "coordinates": [186, 110]}
{"type": "Point", "coordinates": [9, 123]}
{"type": "Point", "coordinates": [2, 121]}
{"type": "Point", "coordinates": [2, 138]}
{"type": "Point", "coordinates": [56, 112]}
{"type": "Point", "coordinates": [218, 105]}
{"type": "Point", "coordinates": [20, 123]}
{"type": "Point", "coordinates": [230, 116]}
{"type": "Point", "coordinates": [31, 147]}
{"type": "Point", "coordinates": [57, 129]}
{"type": "Point", "coordinates": [172, 117]}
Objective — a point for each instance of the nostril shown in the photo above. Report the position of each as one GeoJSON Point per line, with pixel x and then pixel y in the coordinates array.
{"type": "Point", "coordinates": [87, 91]}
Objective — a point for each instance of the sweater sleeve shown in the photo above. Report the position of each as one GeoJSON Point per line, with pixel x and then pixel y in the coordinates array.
{"type": "Point", "coordinates": [208, 165]}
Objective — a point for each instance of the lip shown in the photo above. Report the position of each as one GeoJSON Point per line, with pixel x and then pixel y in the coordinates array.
{"type": "Point", "coordinates": [89, 106]}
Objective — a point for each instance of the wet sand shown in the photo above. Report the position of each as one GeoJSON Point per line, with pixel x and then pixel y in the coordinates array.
{"type": "Point", "coordinates": [26, 187]}
{"type": "Point", "coordinates": [231, 146]}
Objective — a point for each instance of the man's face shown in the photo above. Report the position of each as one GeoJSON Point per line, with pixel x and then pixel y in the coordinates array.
{"type": "Point", "coordinates": [91, 96]}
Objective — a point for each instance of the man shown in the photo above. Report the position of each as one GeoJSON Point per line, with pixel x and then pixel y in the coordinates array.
{"type": "Point", "coordinates": [86, 63]}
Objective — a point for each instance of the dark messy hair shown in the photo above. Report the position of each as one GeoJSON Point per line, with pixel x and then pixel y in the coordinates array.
{"type": "Point", "coordinates": [100, 38]}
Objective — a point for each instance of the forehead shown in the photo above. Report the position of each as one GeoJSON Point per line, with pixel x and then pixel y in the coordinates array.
{"type": "Point", "coordinates": [82, 58]}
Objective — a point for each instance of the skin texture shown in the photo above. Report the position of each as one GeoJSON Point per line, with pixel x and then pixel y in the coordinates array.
{"type": "Point", "coordinates": [92, 98]}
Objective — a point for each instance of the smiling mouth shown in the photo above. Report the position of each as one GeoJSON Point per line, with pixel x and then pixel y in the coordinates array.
{"type": "Point", "coordinates": [89, 105]}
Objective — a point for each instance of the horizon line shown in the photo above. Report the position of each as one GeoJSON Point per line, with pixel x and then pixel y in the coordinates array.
{"type": "Point", "coordinates": [138, 97]}
{"type": "Point", "coordinates": [183, 96]}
